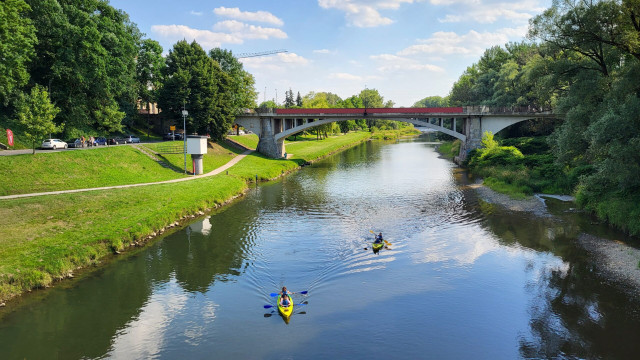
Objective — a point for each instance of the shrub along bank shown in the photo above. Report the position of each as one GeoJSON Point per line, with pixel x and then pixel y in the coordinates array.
{"type": "Point", "coordinates": [46, 238]}
{"type": "Point", "coordinates": [521, 167]}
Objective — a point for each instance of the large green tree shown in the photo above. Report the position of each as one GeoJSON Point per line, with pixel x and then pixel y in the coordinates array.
{"type": "Point", "coordinates": [86, 58]}
{"type": "Point", "coordinates": [240, 83]}
{"type": "Point", "coordinates": [594, 70]}
{"type": "Point", "coordinates": [195, 81]}
{"type": "Point", "coordinates": [17, 41]}
{"type": "Point", "coordinates": [149, 67]}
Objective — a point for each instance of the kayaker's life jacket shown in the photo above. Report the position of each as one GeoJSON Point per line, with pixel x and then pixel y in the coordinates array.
{"type": "Point", "coordinates": [285, 300]}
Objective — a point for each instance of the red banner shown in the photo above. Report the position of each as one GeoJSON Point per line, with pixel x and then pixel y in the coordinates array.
{"type": "Point", "coordinates": [10, 137]}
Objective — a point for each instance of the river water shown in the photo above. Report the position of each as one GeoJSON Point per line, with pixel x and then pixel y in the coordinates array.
{"type": "Point", "coordinates": [461, 279]}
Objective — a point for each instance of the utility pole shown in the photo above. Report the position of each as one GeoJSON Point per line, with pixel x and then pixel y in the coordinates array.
{"type": "Point", "coordinates": [184, 135]}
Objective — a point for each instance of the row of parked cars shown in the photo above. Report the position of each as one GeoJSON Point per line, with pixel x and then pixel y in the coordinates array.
{"type": "Point", "coordinates": [77, 143]}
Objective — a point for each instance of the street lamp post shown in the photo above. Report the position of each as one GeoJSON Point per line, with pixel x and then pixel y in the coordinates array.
{"type": "Point", "coordinates": [184, 136]}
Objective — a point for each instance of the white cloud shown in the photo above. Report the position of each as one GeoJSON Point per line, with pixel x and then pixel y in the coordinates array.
{"type": "Point", "coordinates": [322, 51]}
{"type": "Point", "coordinates": [247, 31]}
{"type": "Point", "coordinates": [227, 32]}
{"type": "Point", "coordinates": [472, 43]}
{"type": "Point", "coordinates": [258, 16]}
{"type": "Point", "coordinates": [207, 39]}
{"type": "Point", "coordinates": [487, 12]}
{"type": "Point", "coordinates": [364, 13]}
{"type": "Point", "coordinates": [276, 63]}
{"type": "Point", "coordinates": [345, 76]}
{"type": "Point", "coordinates": [389, 63]}
{"type": "Point", "coordinates": [196, 13]}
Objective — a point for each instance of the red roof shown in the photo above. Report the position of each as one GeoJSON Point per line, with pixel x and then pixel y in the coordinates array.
{"type": "Point", "coordinates": [437, 110]}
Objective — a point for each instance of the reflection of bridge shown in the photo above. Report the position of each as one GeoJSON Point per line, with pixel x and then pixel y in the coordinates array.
{"type": "Point", "coordinates": [466, 123]}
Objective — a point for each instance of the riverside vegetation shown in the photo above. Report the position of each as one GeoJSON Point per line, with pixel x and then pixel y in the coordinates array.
{"type": "Point", "coordinates": [48, 238]}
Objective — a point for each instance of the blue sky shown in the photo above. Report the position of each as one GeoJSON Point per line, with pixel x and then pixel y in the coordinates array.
{"type": "Point", "coordinates": [407, 49]}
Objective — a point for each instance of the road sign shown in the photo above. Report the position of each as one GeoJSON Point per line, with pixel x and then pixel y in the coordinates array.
{"type": "Point", "coordinates": [10, 137]}
{"type": "Point", "coordinates": [172, 127]}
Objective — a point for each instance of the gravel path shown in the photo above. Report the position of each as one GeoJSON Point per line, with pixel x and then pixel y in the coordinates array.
{"type": "Point", "coordinates": [615, 260]}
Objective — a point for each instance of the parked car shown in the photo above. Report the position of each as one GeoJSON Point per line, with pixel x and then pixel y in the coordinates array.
{"type": "Point", "coordinates": [131, 139]}
{"type": "Point", "coordinates": [75, 143]}
{"type": "Point", "coordinates": [54, 144]}
{"type": "Point", "coordinates": [115, 141]}
{"type": "Point", "coordinates": [101, 141]}
{"type": "Point", "coordinates": [172, 136]}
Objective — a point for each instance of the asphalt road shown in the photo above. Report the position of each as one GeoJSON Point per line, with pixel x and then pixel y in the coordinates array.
{"type": "Point", "coordinates": [39, 151]}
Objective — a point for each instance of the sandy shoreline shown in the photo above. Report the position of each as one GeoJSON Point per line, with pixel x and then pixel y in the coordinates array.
{"type": "Point", "coordinates": [615, 260]}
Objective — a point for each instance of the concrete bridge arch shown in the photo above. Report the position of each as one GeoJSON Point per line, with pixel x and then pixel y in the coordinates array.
{"type": "Point", "coordinates": [274, 125]}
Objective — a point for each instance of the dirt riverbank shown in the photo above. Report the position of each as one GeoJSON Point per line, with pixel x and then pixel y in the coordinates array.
{"type": "Point", "coordinates": [615, 260]}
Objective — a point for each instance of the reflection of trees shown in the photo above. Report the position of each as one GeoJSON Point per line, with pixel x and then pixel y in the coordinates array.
{"type": "Point", "coordinates": [575, 313]}
{"type": "Point", "coordinates": [83, 321]}
{"type": "Point", "coordinates": [79, 323]}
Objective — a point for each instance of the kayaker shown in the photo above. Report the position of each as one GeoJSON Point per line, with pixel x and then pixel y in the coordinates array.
{"type": "Point", "coordinates": [379, 239]}
{"type": "Point", "coordinates": [285, 299]}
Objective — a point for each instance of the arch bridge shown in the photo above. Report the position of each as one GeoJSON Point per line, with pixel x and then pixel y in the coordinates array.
{"type": "Point", "coordinates": [466, 123]}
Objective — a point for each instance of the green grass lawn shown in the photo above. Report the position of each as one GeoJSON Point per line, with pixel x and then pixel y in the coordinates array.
{"type": "Point", "coordinates": [310, 150]}
{"type": "Point", "coordinates": [216, 156]}
{"type": "Point", "coordinates": [249, 140]}
{"type": "Point", "coordinates": [65, 170]}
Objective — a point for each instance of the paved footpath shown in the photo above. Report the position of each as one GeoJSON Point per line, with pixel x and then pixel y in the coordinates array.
{"type": "Point", "coordinates": [217, 171]}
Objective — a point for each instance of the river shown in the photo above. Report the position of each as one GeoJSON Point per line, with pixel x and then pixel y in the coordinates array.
{"type": "Point", "coordinates": [462, 279]}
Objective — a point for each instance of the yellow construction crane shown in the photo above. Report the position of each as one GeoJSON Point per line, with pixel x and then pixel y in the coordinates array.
{"type": "Point", "coordinates": [263, 53]}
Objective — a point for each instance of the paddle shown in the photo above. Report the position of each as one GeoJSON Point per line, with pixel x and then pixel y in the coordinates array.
{"type": "Point", "coordinates": [385, 241]}
{"type": "Point", "coordinates": [299, 292]}
{"type": "Point", "coordinates": [270, 306]}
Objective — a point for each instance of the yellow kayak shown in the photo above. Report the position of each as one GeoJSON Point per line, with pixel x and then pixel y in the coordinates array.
{"type": "Point", "coordinates": [377, 246]}
{"type": "Point", "coordinates": [286, 311]}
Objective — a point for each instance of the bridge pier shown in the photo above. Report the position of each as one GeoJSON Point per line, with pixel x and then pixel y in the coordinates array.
{"type": "Point", "coordinates": [267, 143]}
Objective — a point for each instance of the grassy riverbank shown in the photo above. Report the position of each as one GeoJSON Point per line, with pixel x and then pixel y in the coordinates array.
{"type": "Point", "coordinates": [46, 238]}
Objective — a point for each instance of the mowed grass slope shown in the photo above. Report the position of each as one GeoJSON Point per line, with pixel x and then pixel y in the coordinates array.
{"type": "Point", "coordinates": [216, 156]}
{"type": "Point", "coordinates": [79, 169]}
{"type": "Point", "coordinates": [249, 140]}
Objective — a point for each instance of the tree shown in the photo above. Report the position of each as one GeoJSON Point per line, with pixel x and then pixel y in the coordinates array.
{"type": "Point", "coordinates": [432, 101]}
{"type": "Point", "coordinates": [288, 99]}
{"type": "Point", "coordinates": [149, 66]}
{"type": "Point", "coordinates": [299, 100]}
{"type": "Point", "coordinates": [86, 58]}
{"type": "Point", "coordinates": [195, 80]}
{"type": "Point", "coordinates": [17, 40]}
{"type": "Point", "coordinates": [240, 83]}
{"type": "Point", "coordinates": [35, 116]}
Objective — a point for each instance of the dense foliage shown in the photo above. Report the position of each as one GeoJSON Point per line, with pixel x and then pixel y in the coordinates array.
{"type": "Point", "coordinates": [585, 64]}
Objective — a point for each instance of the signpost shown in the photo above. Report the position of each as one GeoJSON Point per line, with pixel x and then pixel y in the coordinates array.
{"type": "Point", "coordinates": [10, 137]}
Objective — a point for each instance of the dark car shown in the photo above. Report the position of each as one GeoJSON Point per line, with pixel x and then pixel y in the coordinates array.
{"type": "Point", "coordinates": [171, 136]}
{"type": "Point", "coordinates": [75, 143]}
{"type": "Point", "coordinates": [115, 141]}
{"type": "Point", "coordinates": [100, 141]}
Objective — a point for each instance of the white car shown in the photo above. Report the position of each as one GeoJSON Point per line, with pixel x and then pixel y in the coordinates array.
{"type": "Point", "coordinates": [54, 144]}
{"type": "Point", "coordinates": [131, 139]}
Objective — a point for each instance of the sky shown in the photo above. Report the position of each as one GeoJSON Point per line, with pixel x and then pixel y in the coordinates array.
{"type": "Point", "coordinates": [406, 49]}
